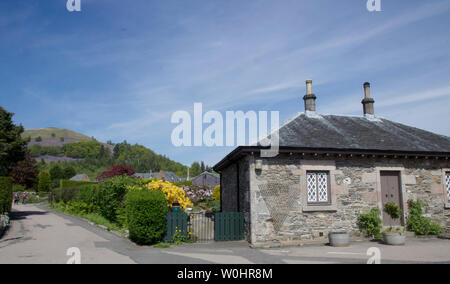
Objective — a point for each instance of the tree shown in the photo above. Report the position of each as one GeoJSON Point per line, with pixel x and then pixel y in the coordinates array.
{"type": "Point", "coordinates": [202, 166]}
{"type": "Point", "coordinates": [38, 139]}
{"type": "Point", "coordinates": [56, 172]}
{"type": "Point", "coordinates": [12, 146]}
{"type": "Point", "coordinates": [45, 181]}
{"type": "Point", "coordinates": [116, 171]}
{"type": "Point", "coordinates": [195, 169]}
{"type": "Point", "coordinates": [69, 172]}
{"type": "Point", "coordinates": [25, 172]}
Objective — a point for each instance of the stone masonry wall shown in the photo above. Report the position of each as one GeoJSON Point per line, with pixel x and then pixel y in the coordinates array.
{"type": "Point", "coordinates": [279, 213]}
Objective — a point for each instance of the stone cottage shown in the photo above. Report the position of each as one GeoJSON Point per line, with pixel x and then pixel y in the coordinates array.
{"type": "Point", "coordinates": [330, 169]}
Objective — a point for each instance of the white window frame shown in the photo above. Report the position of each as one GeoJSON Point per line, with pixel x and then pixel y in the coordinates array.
{"type": "Point", "coordinates": [316, 184]}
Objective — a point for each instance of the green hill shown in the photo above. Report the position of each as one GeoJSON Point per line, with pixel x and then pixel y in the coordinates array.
{"type": "Point", "coordinates": [86, 155]}
{"type": "Point", "coordinates": [54, 133]}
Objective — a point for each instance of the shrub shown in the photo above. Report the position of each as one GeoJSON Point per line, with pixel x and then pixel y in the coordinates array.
{"type": "Point", "coordinates": [6, 194]}
{"type": "Point", "coordinates": [198, 193]}
{"type": "Point", "coordinates": [111, 195]}
{"type": "Point", "coordinates": [89, 193]}
{"type": "Point", "coordinates": [146, 216]}
{"type": "Point", "coordinates": [65, 194]}
{"type": "Point", "coordinates": [393, 210]}
{"type": "Point", "coordinates": [370, 222]}
{"type": "Point", "coordinates": [116, 171]}
{"type": "Point", "coordinates": [65, 183]}
{"type": "Point", "coordinates": [173, 193]}
{"type": "Point", "coordinates": [45, 182]}
{"type": "Point", "coordinates": [419, 224]}
{"type": "Point", "coordinates": [216, 193]}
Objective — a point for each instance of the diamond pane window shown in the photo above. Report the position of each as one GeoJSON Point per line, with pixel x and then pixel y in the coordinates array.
{"type": "Point", "coordinates": [447, 183]}
{"type": "Point", "coordinates": [318, 187]}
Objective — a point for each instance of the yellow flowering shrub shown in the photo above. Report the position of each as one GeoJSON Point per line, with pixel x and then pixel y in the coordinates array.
{"type": "Point", "coordinates": [172, 192]}
{"type": "Point", "coordinates": [216, 193]}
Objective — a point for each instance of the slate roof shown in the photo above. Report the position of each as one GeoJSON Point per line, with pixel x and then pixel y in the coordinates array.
{"type": "Point", "coordinates": [351, 133]}
{"type": "Point", "coordinates": [146, 175]}
{"type": "Point", "coordinates": [79, 177]}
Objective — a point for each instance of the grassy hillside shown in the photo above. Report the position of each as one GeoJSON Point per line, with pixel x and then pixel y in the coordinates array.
{"type": "Point", "coordinates": [46, 134]}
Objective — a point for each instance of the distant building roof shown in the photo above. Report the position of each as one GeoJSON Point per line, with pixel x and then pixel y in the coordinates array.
{"type": "Point", "coordinates": [165, 175]}
{"type": "Point", "coordinates": [146, 175]}
{"type": "Point", "coordinates": [206, 179]}
{"type": "Point", "coordinates": [80, 177]}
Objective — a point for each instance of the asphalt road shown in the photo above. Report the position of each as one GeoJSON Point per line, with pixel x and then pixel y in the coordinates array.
{"type": "Point", "coordinates": [40, 235]}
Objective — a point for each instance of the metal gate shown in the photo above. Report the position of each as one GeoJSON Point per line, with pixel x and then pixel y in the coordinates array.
{"type": "Point", "coordinates": [206, 227]}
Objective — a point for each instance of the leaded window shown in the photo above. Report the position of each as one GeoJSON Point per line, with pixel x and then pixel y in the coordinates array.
{"type": "Point", "coordinates": [447, 184]}
{"type": "Point", "coordinates": [318, 187]}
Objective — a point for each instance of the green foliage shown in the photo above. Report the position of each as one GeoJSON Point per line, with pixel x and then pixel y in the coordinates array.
{"type": "Point", "coordinates": [73, 207]}
{"type": "Point", "coordinates": [65, 194]}
{"type": "Point", "coordinates": [419, 224]}
{"type": "Point", "coordinates": [89, 193]}
{"type": "Point", "coordinates": [65, 183]}
{"type": "Point", "coordinates": [146, 216]}
{"type": "Point", "coordinates": [6, 194]}
{"type": "Point", "coordinates": [195, 169]}
{"type": "Point", "coordinates": [85, 149]}
{"type": "Point", "coordinates": [183, 183]}
{"type": "Point", "coordinates": [38, 150]}
{"type": "Point", "coordinates": [393, 210]}
{"type": "Point", "coordinates": [112, 194]}
{"type": "Point", "coordinates": [45, 182]}
{"type": "Point", "coordinates": [370, 222]}
{"type": "Point", "coordinates": [69, 172]}
{"type": "Point", "coordinates": [56, 172]}
{"type": "Point", "coordinates": [12, 146]}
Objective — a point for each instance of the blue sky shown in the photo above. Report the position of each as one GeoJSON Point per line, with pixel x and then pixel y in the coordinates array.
{"type": "Point", "coordinates": [119, 69]}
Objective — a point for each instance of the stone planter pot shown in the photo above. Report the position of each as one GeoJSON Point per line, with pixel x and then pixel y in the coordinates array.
{"type": "Point", "coordinates": [394, 238]}
{"type": "Point", "coordinates": [339, 239]}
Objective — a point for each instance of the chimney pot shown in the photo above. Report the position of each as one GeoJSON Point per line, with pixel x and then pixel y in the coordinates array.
{"type": "Point", "coordinates": [309, 98]}
{"type": "Point", "coordinates": [367, 102]}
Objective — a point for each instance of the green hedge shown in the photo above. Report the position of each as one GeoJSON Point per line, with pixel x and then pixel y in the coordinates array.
{"type": "Point", "coordinates": [146, 216]}
{"type": "Point", "coordinates": [111, 195]}
{"type": "Point", "coordinates": [6, 194]}
{"type": "Point", "coordinates": [65, 183]}
{"type": "Point", "coordinates": [65, 194]}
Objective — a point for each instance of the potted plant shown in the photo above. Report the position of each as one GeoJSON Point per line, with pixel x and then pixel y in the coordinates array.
{"type": "Point", "coordinates": [339, 239]}
{"type": "Point", "coordinates": [393, 236]}
{"type": "Point", "coordinates": [370, 223]}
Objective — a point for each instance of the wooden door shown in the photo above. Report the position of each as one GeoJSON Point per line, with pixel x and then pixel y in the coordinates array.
{"type": "Point", "coordinates": [390, 191]}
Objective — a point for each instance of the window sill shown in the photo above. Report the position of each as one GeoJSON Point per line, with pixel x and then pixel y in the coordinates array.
{"type": "Point", "coordinates": [320, 208]}
{"type": "Point", "coordinates": [447, 206]}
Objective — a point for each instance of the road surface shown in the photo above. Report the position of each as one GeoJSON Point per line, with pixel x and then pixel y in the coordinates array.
{"type": "Point", "coordinates": [40, 235]}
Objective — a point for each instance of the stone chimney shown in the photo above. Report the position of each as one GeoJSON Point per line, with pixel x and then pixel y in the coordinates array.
{"type": "Point", "coordinates": [367, 101]}
{"type": "Point", "coordinates": [309, 98]}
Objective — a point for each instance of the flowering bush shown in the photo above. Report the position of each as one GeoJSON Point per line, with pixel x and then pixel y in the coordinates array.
{"type": "Point", "coordinates": [198, 193]}
{"type": "Point", "coordinates": [173, 193]}
{"type": "Point", "coordinates": [216, 193]}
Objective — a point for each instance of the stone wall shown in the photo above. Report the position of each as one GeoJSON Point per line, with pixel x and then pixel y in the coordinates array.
{"type": "Point", "coordinates": [279, 213]}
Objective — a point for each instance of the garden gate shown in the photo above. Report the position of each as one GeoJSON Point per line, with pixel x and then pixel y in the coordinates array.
{"type": "Point", "coordinates": [206, 227]}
